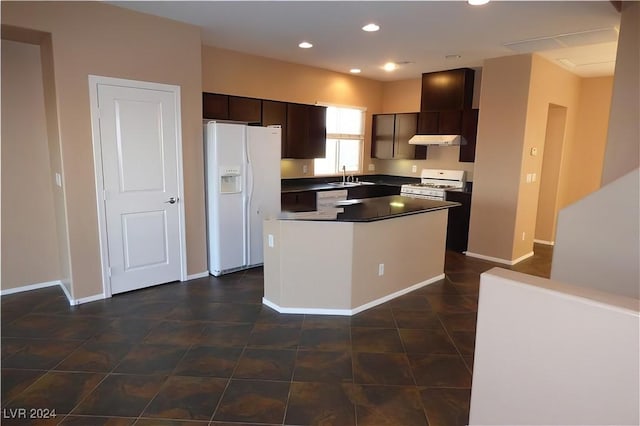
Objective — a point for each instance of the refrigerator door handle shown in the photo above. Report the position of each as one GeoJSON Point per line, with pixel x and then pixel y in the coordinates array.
{"type": "Point", "coordinates": [247, 201]}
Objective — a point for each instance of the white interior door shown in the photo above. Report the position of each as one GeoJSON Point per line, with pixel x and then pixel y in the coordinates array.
{"type": "Point", "coordinates": [140, 152]}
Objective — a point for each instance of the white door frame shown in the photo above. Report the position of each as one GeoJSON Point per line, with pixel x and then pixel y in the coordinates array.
{"type": "Point", "coordinates": [94, 81]}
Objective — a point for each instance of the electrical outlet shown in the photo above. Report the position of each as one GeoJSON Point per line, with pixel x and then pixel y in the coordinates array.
{"type": "Point", "coordinates": [381, 269]}
{"type": "Point", "coordinates": [305, 169]}
{"type": "Point", "coordinates": [270, 240]}
{"type": "Point", "coordinates": [372, 167]}
{"type": "Point", "coordinates": [414, 168]}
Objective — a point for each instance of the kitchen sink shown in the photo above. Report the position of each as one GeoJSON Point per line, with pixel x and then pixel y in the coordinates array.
{"type": "Point", "coordinates": [349, 184]}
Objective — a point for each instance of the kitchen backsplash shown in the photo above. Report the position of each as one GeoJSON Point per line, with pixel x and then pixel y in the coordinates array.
{"type": "Point", "coordinates": [438, 157]}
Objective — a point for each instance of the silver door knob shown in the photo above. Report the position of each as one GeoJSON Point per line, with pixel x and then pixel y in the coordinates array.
{"type": "Point", "coordinates": [172, 200]}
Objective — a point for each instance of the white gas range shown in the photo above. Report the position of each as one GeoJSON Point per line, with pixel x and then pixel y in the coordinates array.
{"type": "Point", "coordinates": [434, 183]}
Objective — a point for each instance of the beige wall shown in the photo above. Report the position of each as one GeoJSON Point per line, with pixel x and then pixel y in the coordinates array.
{"type": "Point", "coordinates": [497, 170]}
{"type": "Point", "coordinates": [549, 176]}
{"type": "Point", "coordinates": [623, 139]}
{"type": "Point", "coordinates": [29, 237]}
{"type": "Point", "coordinates": [549, 84]}
{"type": "Point", "coordinates": [514, 107]}
{"type": "Point", "coordinates": [591, 137]}
{"type": "Point", "coordinates": [597, 239]}
{"type": "Point", "coordinates": [234, 73]}
{"type": "Point", "coordinates": [96, 38]}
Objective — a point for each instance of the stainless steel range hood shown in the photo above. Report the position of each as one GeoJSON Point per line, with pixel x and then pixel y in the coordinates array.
{"type": "Point", "coordinates": [443, 140]}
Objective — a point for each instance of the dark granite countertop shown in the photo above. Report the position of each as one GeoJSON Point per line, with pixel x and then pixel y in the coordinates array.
{"type": "Point", "coordinates": [373, 209]}
{"type": "Point", "coordinates": [324, 184]}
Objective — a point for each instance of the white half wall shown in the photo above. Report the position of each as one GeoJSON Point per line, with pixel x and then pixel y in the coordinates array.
{"type": "Point", "coordinates": [598, 239]}
{"type": "Point", "coordinates": [549, 353]}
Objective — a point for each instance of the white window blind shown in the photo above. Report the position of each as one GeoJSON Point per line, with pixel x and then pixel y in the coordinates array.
{"type": "Point", "coordinates": [345, 136]}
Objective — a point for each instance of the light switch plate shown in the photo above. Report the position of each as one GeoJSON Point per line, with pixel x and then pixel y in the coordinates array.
{"type": "Point", "coordinates": [414, 168]}
{"type": "Point", "coordinates": [372, 167]}
{"type": "Point", "coordinates": [59, 180]}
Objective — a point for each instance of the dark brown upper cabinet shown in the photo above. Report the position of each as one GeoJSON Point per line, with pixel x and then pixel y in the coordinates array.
{"type": "Point", "coordinates": [215, 106]}
{"type": "Point", "coordinates": [447, 90]}
{"type": "Point", "coordinates": [306, 131]}
{"type": "Point", "coordinates": [245, 109]}
{"type": "Point", "coordinates": [391, 134]}
{"type": "Point", "coordinates": [469, 131]}
{"type": "Point", "coordinates": [448, 122]}
{"type": "Point", "coordinates": [275, 113]}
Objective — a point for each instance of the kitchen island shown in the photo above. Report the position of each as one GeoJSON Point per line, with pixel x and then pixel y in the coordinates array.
{"type": "Point", "coordinates": [364, 253]}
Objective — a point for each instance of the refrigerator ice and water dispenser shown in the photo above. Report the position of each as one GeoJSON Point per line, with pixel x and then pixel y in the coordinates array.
{"type": "Point", "coordinates": [230, 180]}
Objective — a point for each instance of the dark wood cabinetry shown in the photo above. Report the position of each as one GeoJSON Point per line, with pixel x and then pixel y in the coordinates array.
{"type": "Point", "coordinates": [302, 201]}
{"type": "Point", "coordinates": [275, 113]}
{"type": "Point", "coordinates": [446, 108]}
{"type": "Point", "coordinates": [215, 106]}
{"type": "Point", "coordinates": [391, 134]}
{"type": "Point", "coordinates": [440, 122]}
{"type": "Point", "coordinates": [447, 90]}
{"type": "Point", "coordinates": [245, 109]}
{"type": "Point", "coordinates": [306, 131]}
{"type": "Point", "coordinates": [303, 126]}
{"type": "Point", "coordinates": [454, 122]}
{"type": "Point", "coordinates": [372, 191]}
{"type": "Point", "coordinates": [458, 222]}
{"type": "Point", "coordinates": [469, 131]}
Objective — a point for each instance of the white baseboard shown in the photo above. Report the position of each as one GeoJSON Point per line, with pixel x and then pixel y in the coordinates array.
{"type": "Point", "coordinates": [72, 301]}
{"type": "Point", "coordinates": [497, 259]}
{"type": "Point", "coordinates": [198, 275]}
{"type": "Point", "coordinates": [546, 243]}
{"type": "Point", "coordinates": [350, 312]}
{"type": "Point", "coordinates": [30, 287]}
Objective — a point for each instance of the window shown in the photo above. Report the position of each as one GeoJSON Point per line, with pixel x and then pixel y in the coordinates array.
{"type": "Point", "coordinates": [345, 136]}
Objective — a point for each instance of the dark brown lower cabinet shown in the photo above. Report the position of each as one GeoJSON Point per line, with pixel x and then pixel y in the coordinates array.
{"type": "Point", "coordinates": [302, 201]}
{"type": "Point", "coordinates": [372, 191]}
{"type": "Point", "coordinates": [458, 224]}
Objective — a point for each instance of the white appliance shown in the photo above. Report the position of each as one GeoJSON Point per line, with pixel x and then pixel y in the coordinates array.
{"type": "Point", "coordinates": [242, 168]}
{"type": "Point", "coordinates": [440, 140]}
{"type": "Point", "coordinates": [434, 183]}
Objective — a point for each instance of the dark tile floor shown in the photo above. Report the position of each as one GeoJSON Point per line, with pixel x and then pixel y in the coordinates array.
{"type": "Point", "coordinates": [208, 352]}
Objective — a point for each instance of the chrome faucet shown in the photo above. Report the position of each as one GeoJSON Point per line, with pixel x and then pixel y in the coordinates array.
{"type": "Point", "coordinates": [344, 174]}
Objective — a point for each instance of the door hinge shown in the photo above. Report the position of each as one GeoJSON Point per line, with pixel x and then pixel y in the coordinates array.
{"type": "Point", "coordinates": [109, 271]}
{"type": "Point", "coordinates": [104, 195]}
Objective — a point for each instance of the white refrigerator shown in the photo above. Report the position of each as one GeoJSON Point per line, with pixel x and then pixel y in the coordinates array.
{"type": "Point", "coordinates": [242, 168]}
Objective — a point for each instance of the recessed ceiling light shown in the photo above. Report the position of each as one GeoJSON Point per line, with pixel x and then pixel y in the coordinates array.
{"type": "Point", "coordinates": [453, 57]}
{"type": "Point", "coordinates": [477, 2]}
{"type": "Point", "coordinates": [371, 27]}
{"type": "Point", "coordinates": [305, 45]}
{"type": "Point", "coordinates": [390, 66]}
{"type": "Point", "coordinates": [355, 70]}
